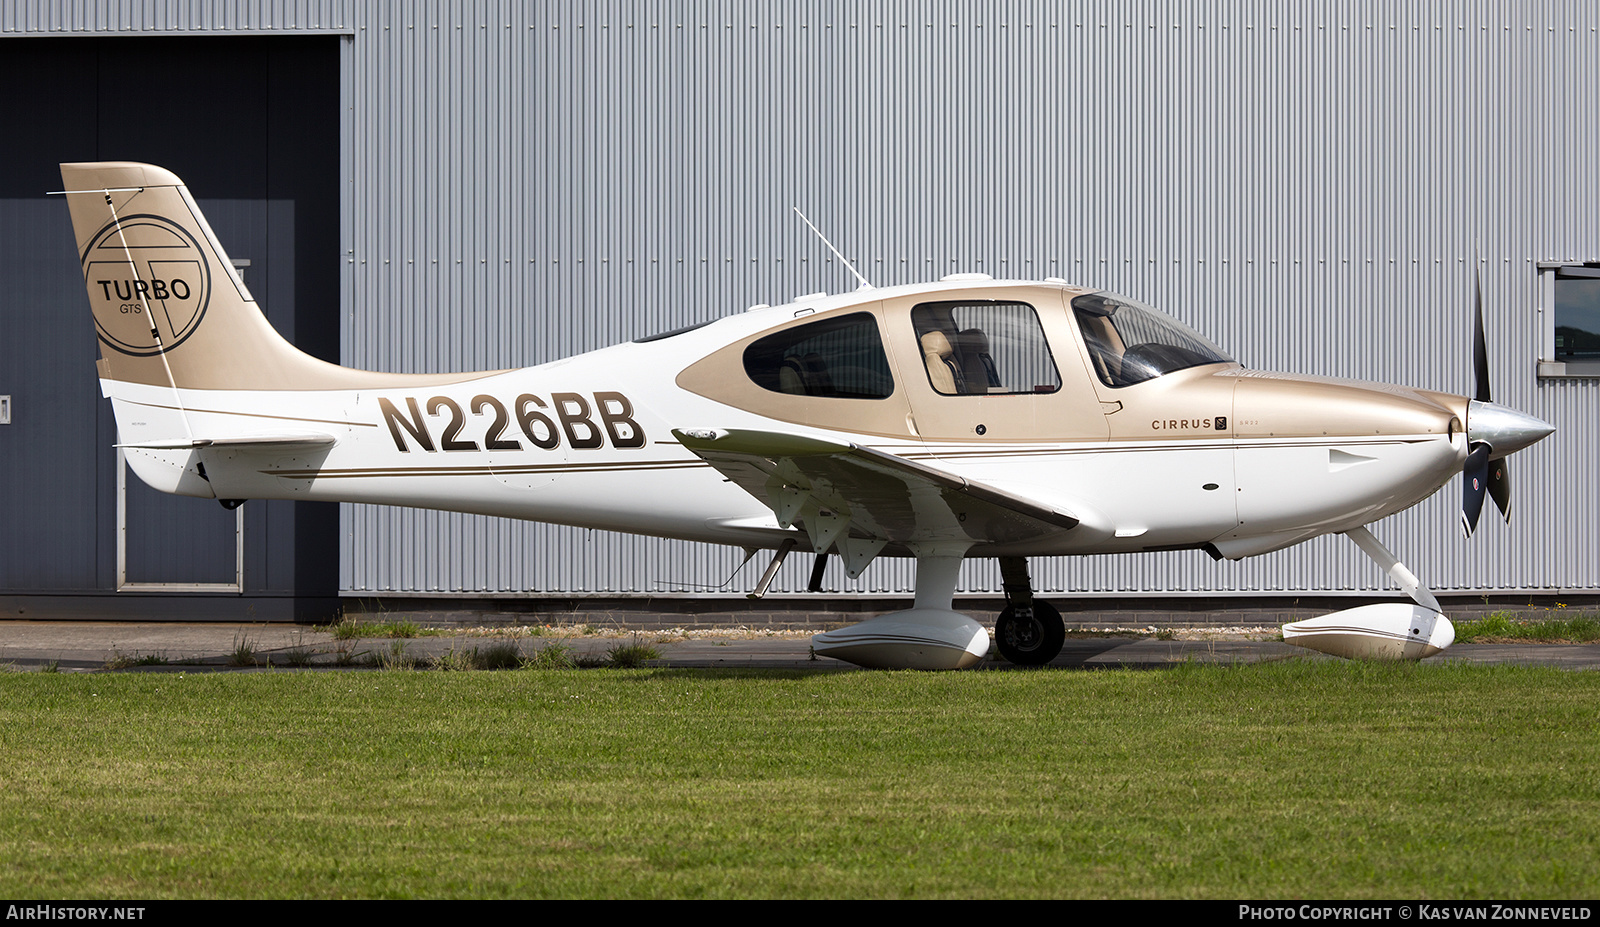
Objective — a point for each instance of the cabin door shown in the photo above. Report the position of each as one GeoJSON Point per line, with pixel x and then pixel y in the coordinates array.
{"type": "Point", "coordinates": [986, 370]}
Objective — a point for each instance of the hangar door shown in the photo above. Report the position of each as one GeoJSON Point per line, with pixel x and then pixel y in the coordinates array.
{"type": "Point", "coordinates": [169, 543]}
{"type": "Point", "coordinates": [251, 123]}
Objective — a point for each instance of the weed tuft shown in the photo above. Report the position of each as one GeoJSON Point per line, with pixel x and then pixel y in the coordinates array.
{"type": "Point", "coordinates": [396, 658]}
{"type": "Point", "coordinates": [346, 629]}
{"type": "Point", "coordinates": [498, 656]}
{"type": "Point", "coordinates": [400, 629]}
{"type": "Point", "coordinates": [243, 653]}
{"type": "Point", "coordinates": [456, 661]}
{"type": "Point", "coordinates": [632, 656]}
{"type": "Point", "coordinates": [344, 653]}
{"type": "Point", "coordinates": [555, 656]}
{"type": "Point", "coordinates": [300, 653]}
{"type": "Point", "coordinates": [350, 629]}
{"type": "Point", "coordinates": [120, 660]}
{"type": "Point", "coordinates": [503, 655]}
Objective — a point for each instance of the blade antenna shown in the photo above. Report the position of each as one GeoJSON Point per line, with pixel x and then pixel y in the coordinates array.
{"type": "Point", "coordinates": [846, 261]}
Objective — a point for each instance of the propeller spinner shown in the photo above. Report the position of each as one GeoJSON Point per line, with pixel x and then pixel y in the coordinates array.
{"type": "Point", "coordinates": [1493, 431]}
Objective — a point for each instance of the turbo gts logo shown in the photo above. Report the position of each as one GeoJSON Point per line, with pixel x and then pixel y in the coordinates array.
{"type": "Point", "coordinates": [141, 290]}
{"type": "Point", "coordinates": [149, 285]}
{"type": "Point", "coordinates": [534, 422]}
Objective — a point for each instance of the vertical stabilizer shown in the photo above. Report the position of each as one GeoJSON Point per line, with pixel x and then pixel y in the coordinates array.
{"type": "Point", "coordinates": [169, 308]}
{"type": "Point", "coordinates": [161, 286]}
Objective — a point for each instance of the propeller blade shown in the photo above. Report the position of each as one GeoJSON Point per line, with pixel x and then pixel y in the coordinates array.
{"type": "Point", "coordinates": [1480, 350]}
{"type": "Point", "coordinates": [1500, 487]}
{"type": "Point", "coordinates": [1474, 483]}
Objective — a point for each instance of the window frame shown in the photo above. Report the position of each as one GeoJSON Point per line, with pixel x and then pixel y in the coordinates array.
{"type": "Point", "coordinates": [832, 323]}
{"type": "Point", "coordinates": [1099, 358]}
{"type": "Point", "coordinates": [1549, 366]}
{"type": "Point", "coordinates": [1042, 342]}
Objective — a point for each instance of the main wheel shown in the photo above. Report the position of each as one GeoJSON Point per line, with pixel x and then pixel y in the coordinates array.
{"type": "Point", "coordinates": [1030, 639]}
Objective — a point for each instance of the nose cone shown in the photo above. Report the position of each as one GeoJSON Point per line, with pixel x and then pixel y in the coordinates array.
{"type": "Point", "coordinates": [1503, 428]}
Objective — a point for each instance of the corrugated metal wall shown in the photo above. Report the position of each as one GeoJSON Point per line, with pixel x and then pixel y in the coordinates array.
{"type": "Point", "coordinates": [1305, 182]}
{"type": "Point", "coordinates": [174, 17]}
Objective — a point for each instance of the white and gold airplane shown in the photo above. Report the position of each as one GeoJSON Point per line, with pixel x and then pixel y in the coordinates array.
{"type": "Point", "coordinates": [965, 418]}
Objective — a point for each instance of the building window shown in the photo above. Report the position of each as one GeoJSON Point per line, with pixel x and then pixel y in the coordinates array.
{"type": "Point", "coordinates": [1571, 295]}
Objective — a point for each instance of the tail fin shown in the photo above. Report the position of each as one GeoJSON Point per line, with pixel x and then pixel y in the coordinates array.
{"type": "Point", "coordinates": [169, 308]}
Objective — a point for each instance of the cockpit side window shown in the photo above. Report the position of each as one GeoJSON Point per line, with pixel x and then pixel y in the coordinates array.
{"type": "Point", "coordinates": [1129, 343]}
{"type": "Point", "coordinates": [839, 357]}
{"type": "Point", "coordinates": [984, 349]}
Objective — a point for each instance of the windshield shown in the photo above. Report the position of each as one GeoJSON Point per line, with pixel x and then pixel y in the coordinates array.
{"type": "Point", "coordinates": [1130, 343]}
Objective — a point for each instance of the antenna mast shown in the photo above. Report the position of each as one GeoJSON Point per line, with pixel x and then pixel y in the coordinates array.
{"type": "Point", "coordinates": [846, 261]}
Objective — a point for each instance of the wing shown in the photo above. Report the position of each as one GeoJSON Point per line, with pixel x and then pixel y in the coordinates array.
{"type": "Point", "coordinates": [860, 499]}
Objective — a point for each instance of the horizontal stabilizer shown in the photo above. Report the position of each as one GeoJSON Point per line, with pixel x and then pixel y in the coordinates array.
{"type": "Point", "coordinates": [238, 442]}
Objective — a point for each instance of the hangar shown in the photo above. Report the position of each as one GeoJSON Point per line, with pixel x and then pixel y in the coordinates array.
{"type": "Point", "coordinates": [429, 187]}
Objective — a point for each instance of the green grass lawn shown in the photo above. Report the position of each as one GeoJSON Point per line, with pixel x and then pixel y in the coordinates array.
{"type": "Point", "coordinates": [1291, 779]}
{"type": "Point", "coordinates": [1547, 626]}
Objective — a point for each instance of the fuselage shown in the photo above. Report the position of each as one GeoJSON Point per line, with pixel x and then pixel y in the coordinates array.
{"type": "Point", "coordinates": [964, 418]}
{"type": "Point", "coordinates": [1023, 386]}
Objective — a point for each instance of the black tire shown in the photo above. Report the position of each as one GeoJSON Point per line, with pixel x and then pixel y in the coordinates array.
{"type": "Point", "coordinates": [1031, 641]}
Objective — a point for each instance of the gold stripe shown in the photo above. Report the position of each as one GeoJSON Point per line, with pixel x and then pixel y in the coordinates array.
{"type": "Point", "coordinates": [482, 470]}
{"type": "Point", "coordinates": [1246, 444]}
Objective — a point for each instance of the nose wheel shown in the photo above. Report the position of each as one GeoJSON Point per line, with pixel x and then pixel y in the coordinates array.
{"type": "Point", "coordinates": [1029, 632]}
